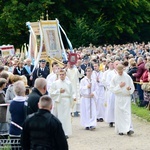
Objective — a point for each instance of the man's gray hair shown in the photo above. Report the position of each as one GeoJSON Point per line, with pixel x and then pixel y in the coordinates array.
{"type": "Point", "coordinates": [140, 59]}
{"type": "Point", "coordinates": [40, 83]}
{"type": "Point", "coordinates": [19, 88]}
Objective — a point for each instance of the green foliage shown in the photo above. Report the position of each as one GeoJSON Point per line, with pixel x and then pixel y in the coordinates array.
{"type": "Point", "coordinates": [89, 21]}
{"type": "Point", "coordinates": [13, 18]}
{"type": "Point", "coordinates": [141, 112]}
{"type": "Point", "coordinates": [91, 31]}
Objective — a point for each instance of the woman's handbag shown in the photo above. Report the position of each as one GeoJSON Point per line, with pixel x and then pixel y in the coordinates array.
{"type": "Point", "coordinates": [146, 86]}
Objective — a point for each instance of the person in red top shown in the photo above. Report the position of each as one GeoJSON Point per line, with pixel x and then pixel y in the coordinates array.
{"type": "Point", "coordinates": [138, 75]}
{"type": "Point", "coordinates": [143, 79]}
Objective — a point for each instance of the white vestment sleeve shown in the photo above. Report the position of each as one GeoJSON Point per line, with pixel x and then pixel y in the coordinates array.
{"type": "Point", "coordinates": [55, 93]}
{"type": "Point", "coordinates": [94, 89]}
{"type": "Point", "coordinates": [84, 90]}
{"type": "Point", "coordinates": [115, 88]}
{"type": "Point", "coordinates": [115, 85]}
{"type": "Point", "coordinates": [131, 85]}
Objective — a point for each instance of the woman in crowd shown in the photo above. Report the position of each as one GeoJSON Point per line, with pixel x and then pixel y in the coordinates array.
{"type": "Point", "coordinates": [3, 110]}
{"type": "Point", "coordinates": [5, 75]}
{"type": "Point", "coordinates": [133, 69]}
{"type": "Point", "coordinates": [17, 110]}
{"type": "Point", "coordinates": [24, 79]}
{"type": "Point", "coordinates": [144, 79]}
{"type": "Point", "coordinates": [18, 69]}
{"type": "Point", "coordinates": [10, 66]}
{"type": "Point", "coordinates": [9, 92]}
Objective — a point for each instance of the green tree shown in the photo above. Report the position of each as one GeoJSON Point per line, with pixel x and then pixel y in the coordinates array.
{"type": "Point", "coordinates": [87, 21]}
{"type": "Point", "coordinates": [104, 21]}
{"type": "Point", "coordinates": [125, 18]}
{"type": "Point", "coordinates": [13, 18]}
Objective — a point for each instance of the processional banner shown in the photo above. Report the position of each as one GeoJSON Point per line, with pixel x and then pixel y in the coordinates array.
{"type": "Point", "coordinates": [51, 38]}
{"type": "Point", "coordinates": [34, 42]}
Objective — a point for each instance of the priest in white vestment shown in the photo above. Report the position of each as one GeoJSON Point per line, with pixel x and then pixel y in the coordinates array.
{"type": "Point", "coordinates": [122, 86]}
{"type": "Point", "coordinates": [88, 101]}
{"type": "Point", "coordinates": [73, 74]}
{"type": "Point", "coordinates": [62, 93]}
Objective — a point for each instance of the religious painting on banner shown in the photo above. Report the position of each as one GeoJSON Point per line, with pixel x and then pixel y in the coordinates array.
{"type": "Point", "coordinates": [51, 39]}
{"type": "Point", "coordinates": [72, 58]}
{"type": "Point", "coordinates": [35, 44]}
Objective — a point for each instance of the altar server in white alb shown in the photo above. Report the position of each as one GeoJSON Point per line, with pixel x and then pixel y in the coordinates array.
{"type": "Point", "coordinates": [53, 76]}
{"type": "Point", "coordinates": [122, 86]}
{"type": "Point", "coordinates": [62, 93]}
{"type": "Point", "coordinates": [110, 102]}
{"type": "Point", "coordinates": [73, 74]}
{"type": "Point", "coordinates": [97, 77]}
{"type": "Point", "coordinates": [88, 101]}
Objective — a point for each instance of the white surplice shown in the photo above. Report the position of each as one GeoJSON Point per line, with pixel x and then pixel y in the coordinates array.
{"type": "Point", "coordinates": [50, 79]}
{"type": "Point", "coordinates": [63, 103]}
{"type": "Point", "coordinates": [100, 110]}
{"type": "Point", "coordinates": [88, 105]}
{"type": "Point", "coordinates": [73, 74]}
{"type": "Point", "coordinates": [110, 102]}
{"type": "Point", "coordinates": [122, 102]}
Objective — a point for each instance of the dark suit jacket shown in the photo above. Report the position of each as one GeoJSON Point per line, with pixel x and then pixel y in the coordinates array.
{"type": "Point", "coordinates": [39, 73]}
{"type": "Point", "coordinates": [83, 66]}
{"type": "Point", "coordinates": [131, 71]}
{"type": "Point", "coordinates": [33, 100]}
{"type": "Point", "coordinates": [26, 73]}
{"type": "Point", "coordinates": [18, 71]}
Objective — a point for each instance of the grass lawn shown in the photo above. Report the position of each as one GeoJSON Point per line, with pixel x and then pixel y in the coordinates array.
{"type": "Point", "coordinates": [142, 112]}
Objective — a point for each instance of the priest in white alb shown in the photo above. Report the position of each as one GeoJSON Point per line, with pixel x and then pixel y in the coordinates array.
{"type": "Point", "coordinates": [122, 86]}
{"type": "Point", "coordinates": [74, 74]}
{"type": "Point", "coordinates": [62, 94]}
{"type": "Point", "coordinates": [53, 76]}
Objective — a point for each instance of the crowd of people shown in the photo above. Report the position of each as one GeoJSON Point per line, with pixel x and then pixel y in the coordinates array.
{"type": "Point", "coordinates": [37, 102]}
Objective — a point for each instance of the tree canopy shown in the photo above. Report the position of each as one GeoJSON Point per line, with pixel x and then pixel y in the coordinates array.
{"type": "Point", "coordinates": [89, 21]}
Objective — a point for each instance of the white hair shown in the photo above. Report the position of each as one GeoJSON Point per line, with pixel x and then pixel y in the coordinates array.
{"type": "Point", "coordinates": [19, 88]}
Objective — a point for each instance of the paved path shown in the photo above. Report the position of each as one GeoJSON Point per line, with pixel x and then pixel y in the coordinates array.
{"type": "Point", "coordinates": [105, 138]}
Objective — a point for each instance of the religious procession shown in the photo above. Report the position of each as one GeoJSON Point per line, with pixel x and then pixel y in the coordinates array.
{"type": "Point", "coordinates": [99, 87]}
{"type": "Point", "coordinates": [44, 86]}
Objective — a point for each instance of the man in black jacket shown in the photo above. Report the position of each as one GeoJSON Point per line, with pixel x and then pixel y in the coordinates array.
{"type": "Point", "coordinates": [40, 87]}
{"type": "Point", "coordinates": [42, 130]}
{"type": "Point", "coordinates": [86, 63]}
{"type": "Point", "coordinates": [41, 71]}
